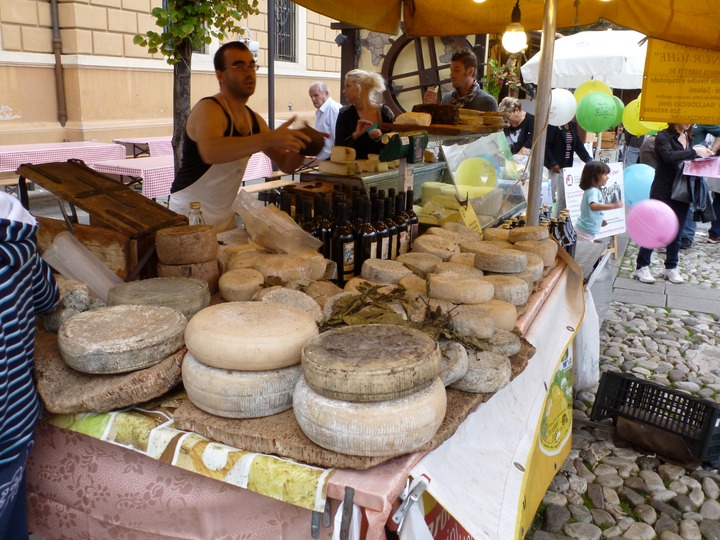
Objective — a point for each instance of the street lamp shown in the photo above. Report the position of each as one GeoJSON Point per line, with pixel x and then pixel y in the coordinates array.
{"type": "Point", "coordinates": [514, 39]}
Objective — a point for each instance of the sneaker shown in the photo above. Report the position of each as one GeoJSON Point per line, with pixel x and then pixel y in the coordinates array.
{"type": "Point", "coordinates": [714, 239]}
{"type": "Point", "coordinates": [685, 243]}
{"type": "Point", "coordinates": [672, 275]}
{"type": "Point", "coordinates": [643, 275]}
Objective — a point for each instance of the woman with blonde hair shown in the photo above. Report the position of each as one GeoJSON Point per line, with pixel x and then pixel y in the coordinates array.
{"type": "Point", "coordinates": [358, 123]}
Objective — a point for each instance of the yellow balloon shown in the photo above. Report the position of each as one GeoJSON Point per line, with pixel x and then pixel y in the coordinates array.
{"type": "Point", "coordinates": [476, 171]}
{"type": "Point", "coordinates": [588, 87]}
{"type": "Point", "coordinates": [631, 119]}
{"type": "Point", "coordinates": [653, 126]}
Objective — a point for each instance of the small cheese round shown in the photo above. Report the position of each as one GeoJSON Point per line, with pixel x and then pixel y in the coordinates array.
{"type": "Point", "coordinates": [487, 372]}
{"type": "Point", "coordinates": [420, 263]}
{"type": "Point", "coordinates": [208, 272]}
{"type": "Point", "coordinates": [448, 234]}
{"type": "Point", "coordinates": [252, 336]}
{"type": "Point", "coordinates": [462, 230]}
{"type": "Point", "coordinates": [415, 283]}
{"type": "Point", "coordinates": [459, 290]}
{"type": "Point", "coordinates": [484, 246]}
{"type": "Point", "coordinates": [187, 295]}
{"type": "Point", "coordinates": [504, 342]}
{"type": "Point", "coordinates": [454, 363]}
{"type": "Point", "coordinates": [463, 258]}
{"type": "Point", "coordinates": [294, 299]}
{"type": "Point", "coordinates": [503, 313]}
{"type": "Point", "coordinates": [545, 249]}
{"type": "Point", "coordinates": [496, 233]}
{"type": "Point", "coordinates": [187, 244]}
{"type": "Point", "coordinates": [458, 269]}
{"type": "Point", "coordinates": [473, 321]}
{"type": "Point", "coordinates": [384, 271]}
{"type": "Point", "coordinates": [502, 261]}
{"type": "Point", "coordinates": [536, 232]}
{"type": "Point", "coordinates": [511, 289]}
{"type": "Point", "coordinates": [436, 245]}
{"type": "Point", "coordinates": [240, 284]}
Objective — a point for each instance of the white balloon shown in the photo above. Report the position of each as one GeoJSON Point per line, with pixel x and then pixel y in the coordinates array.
{"type": "Point", "coordinates": [562, 107]}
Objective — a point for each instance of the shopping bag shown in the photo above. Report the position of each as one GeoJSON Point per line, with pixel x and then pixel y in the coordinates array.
{"type": "Point", "coordinates": [681, 188]}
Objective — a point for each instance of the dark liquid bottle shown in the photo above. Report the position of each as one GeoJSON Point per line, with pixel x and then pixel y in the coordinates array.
{"type": "Point", "coordinates": [403, 237]}
{"type": "Point", "coordinates": [383, 234]}
{"type": "Point", "coordinates": [365, 238]}
{"type": "Point", "coordinates": [286, 203]}
{"type": "Point", "coordinates": [413, 222]}
{"type": "Point", "coordinates": [299, 202]}
{"type": "Point", "coordinates": [392, 229]}
{"type": "Point", "coordinates": [325, 228]}
{"type": "Point", "coordinates": [554, 230]}
{"type": "Point", "coordinates": [309, 223]}
{"type": "Point", "coordinates": [567, 242]}
{"type": "Point", "coordinates": [343, 247]}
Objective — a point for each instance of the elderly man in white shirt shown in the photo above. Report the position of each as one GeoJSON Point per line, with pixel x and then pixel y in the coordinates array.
{"type": "Point", "coordinates": [325, 115]}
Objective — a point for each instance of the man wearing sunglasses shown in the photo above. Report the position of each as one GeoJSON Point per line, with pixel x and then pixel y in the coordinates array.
{"type": "Point", "coordinates": [221, 134]}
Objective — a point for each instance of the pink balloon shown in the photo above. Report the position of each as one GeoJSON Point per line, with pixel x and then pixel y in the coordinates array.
{"type": "Point", "coordinates": [652, 224]}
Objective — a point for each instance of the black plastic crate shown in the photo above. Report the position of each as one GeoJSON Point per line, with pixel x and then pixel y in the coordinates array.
{"type": "Point", "coordinates": [664, 411]}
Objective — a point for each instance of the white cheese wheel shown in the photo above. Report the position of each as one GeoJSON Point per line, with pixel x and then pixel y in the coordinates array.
{"type": "Point", "coordinates": [420, 263]}
{"type": "Point", "coordinates": [511, 289]}
{"type": "Point", "coordinates": [435, 245]}
{"type": "Point", "coordinates": [487, 372]}
{"type": "Point", "coordinates": [320, 291]}
{"type": "Point", "coordinates": [120, 339]}
{"type": "Point", "coordinates": [459, 290]}
{"type": "Point", "coordinates": [187, 295]}
{"type": "Point", "coordinates": [504, 342]}
{"type": "Point", "coordinates": [414, 283]}
{"type": "Point", "coordinates": [341, 154]}
{"type": "Point", "coordinates": [467, 259]}
{"type": "Point", "coordinates": [527, 276]}
{"type": "Point", "coordinates": [245, 259]}
{"type": "Point", "coordinates": [454, 363]}
{"type": "Point", "coordinates": [503, 313]}
{"type": "Point", "coordinates": [251, 336]}
{"type": "Point", "coordinates": [458, 269]}
{"type": "Point", "coordinates": [285, 267]}
{"type": "Point", "coordinates": [294, 299]}
{"type": "Point", "coordinates": [535, 265]}
{"type": "Point", "coordinates": [384, 271]}
{"type": "Point", "coordinates": [240, 284]}
{"type": "Point", "coordinates": [545, 249]}
{"type": "Point", "coordinates": [414, 119]}
{"type": "Point", "coordinates": [536, 232]}
{"type": "Point", "coordinates": [462, 230]}
{"type": "Point", "coordinates": [208, 272]}
{"type": "Point", "coordinates": [484, 246]}
{"type": "Point", "coordinates": [370, 362]}
{"type": "Point", "coordinates": [384, 428]}
{"type": "Point", "coordinates": [502, 261]}
{"type": "Point", "coordinates": [239, 394]}
{"type": "Point", "coordinates": [496, 233]}
{"type": "Point", "coordinates": [453, 236]}
{"type": "Point", "coordinates": [473, 321]}
{"type": "Point", "coordinates": [187, 244]}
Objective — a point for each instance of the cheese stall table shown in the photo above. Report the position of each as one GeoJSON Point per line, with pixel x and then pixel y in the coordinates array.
{"type": "Point", "coordinates": [155, 481]}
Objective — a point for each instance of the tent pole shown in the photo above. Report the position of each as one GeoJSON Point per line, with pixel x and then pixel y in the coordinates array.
{"type": "Point", "coordinates": [542, 108]}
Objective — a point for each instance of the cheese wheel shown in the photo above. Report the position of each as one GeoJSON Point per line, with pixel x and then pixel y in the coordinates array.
{"type": "Point", "coordinates": [245, 259]}
{"type": "Point", "coordinates": [458, 269]}
{"type": "Point", "coordinates": [353, 284]}
{"type": "Point", "coordinates": [370, 362]}
{"type": "Point", "coordinates": [337, 304]}
{"type": "Point", "coordinates": [462, 230]}
{"type": "Point", "coordinates": [449, 235]}
{"type": "Point", "coordinates": [503, 313]}
{"type": "Point", "coordinates": [187, 244]}
{"type": "Point", "coordinates": [454, 363]}
{"type": "Point", "coordinates": [341, 154]}
{"type": "Point", "coordinates": [294, 299]}
{"type": "Point", "coordinates": [285, 267]}
{"type": "Point", "coordinates": [74, 294]}
{"type": "Point", "coordinates": [484, 246]}
{"type": "Point", "coordinates": [535, 265]}
{"type": "Point", "coordinates": [384, 428]}
{"type": "Point", "coordinates": [527, 276]}
{"type": "Point", "coordinates": [317, 264]}
{"type": "Point", "coordinates": [536, 232]}
{"type": "Point", "coordinates": [502, 261]}
{"type": "Point", "coordinates": [473, 321]}
{"type": "Point", "coordinates": [496, 233]}
{"type": "Point", "coordinates": [487, 372]}
{"type": "Point", "coordinates": [413, 119]}
{"type": "Point", "coordinates": [384, 271]}
{"type": "Point", "coordinates": [511, 289]}
{"type": "Point", "coordinates": [187, 295]}
{"type": "Point", "coordinates": [414, 283]}
{"type": "Point", "coordinates": [252, 336]}
{"type": "Point", "coordinates": [239, 394]}
{"type": "Point", "coordinates": [120, 339]}
{"type": "Point", "coordinates": [459, 290]}
{"type": "Point", "coordinates": [240, 285]}
{"type": "Point", "coordinates": [435, 245]}
{"type": "Point", "coordinates": [208, 272]}
{"type": "Point", "coordinates": [420, 263]}
{"type": "Point", "coordinates": [503, 342]}
{"type": "Point", "coordinates": [545, 249]}
{"type": "Point", "coordinates": [467, 259]}
{"type": "Point", "coordinates": [320, 291]}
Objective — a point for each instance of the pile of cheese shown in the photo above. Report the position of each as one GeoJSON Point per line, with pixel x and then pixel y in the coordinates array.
{"type": "Point", "coordinates": [342, 162]}
{"type": "Point", "coordinates": [188, 251]}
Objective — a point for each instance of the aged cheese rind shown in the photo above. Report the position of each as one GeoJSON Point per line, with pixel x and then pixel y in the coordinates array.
{"type": "Point", "coordinates": [384, 428]}
{"type": "Point", "coordinates": [473, 321]}
{"type": "Point", "coordinates": [535, 265]}
{"type": "Point", "coordinates": [462, 230]}
{"type": "Point", "coordinates": [341, 154]}
{"type": "Point", "coordinates": [536, 232]}
{"type": "Point", "coordinates": [294, 299]}
{"type": "Point", "coordinates": [321, 291]}
{"type": "Point", "coordinates": [504, 261]}
{"type": "Point", "coordinates": [420, 263]}
{"type": "Point", "coordinates": [454, 363]}
{"type": "Point", "coordinates": [239, 394]}
{"type": "Point", "coordinates": [186, 244]}
{"type": "Point", "coordinates": [496, 233]}
{"type": "Point", "coordinates": [458, 269]}
{"type": "Point", "coordinates": [384, 271]}
{"type": "Point", "coordinates": [545, 249]}
{"type": "Point", "coordinates": [503, 313]}
{"type": "Point", "coordinates": [253, 336]}
{"type": "Point", "coordinates": [459, 290]}
{"type": "Point", "coordinates": [187, 295]}
{"type": "Point", "coordinates": [372, 362]}
{"type": "Point", "coordinates": [414, 283]}
{"type": "Point", "coordinates": [467, 259]}
{"type": "Point", "coordinates": [240, 284]}
{"type": "Point", "coordinates": [206, 271]}
{"type": "Point", "coordinates": [511, 289]}
{"type": "Point", "coordinates": [504, 342]}
{"type": "Point", "coordinates": [435, 245]}
{"type": "Point", "coordinates": [484, 246]}
{"type": "Point", "coordinates": [487, 372]}
{"type": "Point", "coordinates": [121, 339]}
{"type": "Point", "coordinates": [453, 236]}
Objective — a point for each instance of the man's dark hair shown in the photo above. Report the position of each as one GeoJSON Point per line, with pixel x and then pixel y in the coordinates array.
{"type": "Point", "coordinates": [219, 58]}
{"type": "Point", "coordinates": [467, 57]}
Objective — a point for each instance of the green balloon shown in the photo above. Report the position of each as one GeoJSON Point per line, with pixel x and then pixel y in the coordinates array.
{"type": "Point", "coordinates": [596, 112]}
{"type": "Point", "coordinates": [620, 110]}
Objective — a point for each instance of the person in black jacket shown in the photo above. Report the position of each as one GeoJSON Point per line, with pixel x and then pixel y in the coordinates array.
{"type": "Point", "coordinates": [672, 147]}
{"type": "Point", "coordinates": [561, 144]}
{"type": "Point", "coordinates": [522, 126]}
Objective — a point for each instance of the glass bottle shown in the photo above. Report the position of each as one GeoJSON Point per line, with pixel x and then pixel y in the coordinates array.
{"type": "Point", "coordinates": [392, 229]}
{"type": "Point", "coordinates": [383, 234]}
{"type": "Point", "coordinates": [522, 221]}
{"type": "Point", "coordinates": [299, 210]}
{"type": "Point", "coordinates": [309, 223]}
{"type": "Point", "coordinates": [413, 222]}
{"type": "Point", "coordinates": [401, 219]}
{"type": "Point", "coordinates": [325, 228]}
{"type": "Point", "coordinates": [286, 203]}
{"type": "Point", "coordinates": [343, 247]}
{"type": "Point", "coordinates": [554, 230]}
{"type": "Point", "coordinates": [366, 237]}
{"type": "Point", "coordinates": [195, 215]}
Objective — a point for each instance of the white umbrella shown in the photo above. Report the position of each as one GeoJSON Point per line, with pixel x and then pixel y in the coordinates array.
{"type": "Point", "coordinates": [614, 57]}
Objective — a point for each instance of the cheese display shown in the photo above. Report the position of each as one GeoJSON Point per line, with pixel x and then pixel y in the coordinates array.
{"type": "Point", "coordinates": [502, 261]}
{"type": "Point", "coordinates": [383, 428]}
{"type": "Point", "coordinates": [186, 244]}
{"type": "Point", "coordinates": [120, 339]}
{"type": "Point", "coordinates": [384, 271]}
{"type": "Point", "coordinates": [454, 363]}
{"type": "Point", "coordinates": [250, 336]}
{"type": "Point", "coordinates": [294, 299]}
{"type": "Point", "coordinates": [187, 295]}
{"type": "Point", "coordinates": [206, 271]}
{"type": "Point", "coordinates": [371, 362]}
{"type": "Point", "coordinates": [545, 249]}
{"type": "Point", "coordinates": [419, 263]}
{"type": "Point", "coordinates": [435, 245]}
{"type": "Point", "coordinates": [239, 394]}
{"type": "Point", "coordinates": [240, 284]}
{"type": "Point", "coordinates": [509, 288]}
{"type": "Point", "coordinates": [487, 372]}
{"type": "Point", "coordinates": [459, 290]}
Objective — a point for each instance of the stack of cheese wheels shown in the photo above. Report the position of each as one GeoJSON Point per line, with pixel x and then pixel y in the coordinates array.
{"type": "Point", "coordinates": [187, 295]}
{"type": "Point", "coordinates": [243, 357]}
{"type": "Point", "coordinates": [121, 339]}
{"type": "Point", "coordinates": [189, 251]}
{"type": "Point", "coordinates": [370, 390]}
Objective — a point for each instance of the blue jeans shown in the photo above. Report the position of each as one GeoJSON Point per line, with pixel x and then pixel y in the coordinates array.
{"type": "Point", "coordinates": [714, 230]}
{"type": "Point", "coordinates": [673, 249]}
{"type": "Point", "coordinates": [689, 228]}
{"type": "Point", "coordinates": [13, 507]}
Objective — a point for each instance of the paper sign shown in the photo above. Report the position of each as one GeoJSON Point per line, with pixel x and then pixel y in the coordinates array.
{"type": "Point", "coordinates": [469, 217]}
{"type": "Point", "coordinates": [408, 178]}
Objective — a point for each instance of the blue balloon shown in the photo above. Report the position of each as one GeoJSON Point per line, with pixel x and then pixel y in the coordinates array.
{"type": "Point", "coordinates": [638, 179]}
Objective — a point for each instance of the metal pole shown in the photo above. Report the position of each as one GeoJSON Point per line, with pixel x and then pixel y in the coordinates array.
{"type": "Point", "coordinates": [271, 62]}
{"type": "Point", "coordinates": [542, 108]}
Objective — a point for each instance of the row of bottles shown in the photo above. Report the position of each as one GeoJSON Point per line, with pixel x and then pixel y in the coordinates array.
{"type": "Point", "coordinates": [560, 228]}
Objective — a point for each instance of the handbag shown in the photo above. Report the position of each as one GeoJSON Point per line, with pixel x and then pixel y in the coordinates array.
{"type": "Point", "coordinates": [681, 188]}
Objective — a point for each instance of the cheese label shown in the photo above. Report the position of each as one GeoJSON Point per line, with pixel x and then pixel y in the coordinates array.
{"type": "Point", "coordinates": [470, 218]}
{"type": "Point", "coordinates": [409, 178]}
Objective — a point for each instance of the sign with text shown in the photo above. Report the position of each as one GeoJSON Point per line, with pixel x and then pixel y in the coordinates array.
{"type": "Point", "coordinates": [613, 191]}
{"type": "Point", "coordinates": [681, 84]}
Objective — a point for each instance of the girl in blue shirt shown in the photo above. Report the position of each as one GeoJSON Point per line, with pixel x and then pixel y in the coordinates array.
{"type": "Point", "coordinates": [594, 177]}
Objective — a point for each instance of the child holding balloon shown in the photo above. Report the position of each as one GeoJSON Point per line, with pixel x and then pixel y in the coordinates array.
{"type": "Point", "coordinates": [594, 177]}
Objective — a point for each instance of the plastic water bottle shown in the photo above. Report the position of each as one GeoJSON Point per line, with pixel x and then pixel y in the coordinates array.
{"type": "Point", "coordinates": [195, 215]}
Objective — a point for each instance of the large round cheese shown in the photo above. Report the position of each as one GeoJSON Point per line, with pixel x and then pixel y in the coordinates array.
{"type": "Point", "coordinates": [420, 263]}
{"type": "Point", "coordinates": [505, 261]}
{"type": "Point", "coordinates": [120, 339]}
{"type": "Point", "coordinates": [546, 249]}
{"type": "Point", "coordinates": [496, 233]}
{"type": "Point", "coordinates": [187, 244]}
{"type": "Point", "coordinates": [187, 295]}
{"type": "Point", "coordinates": [240, 284]}
{"type": "Point", "coordinates": [487, 372]}
{"type": "Point", "coordinates": [206, 271]}
{"type": "Point", "coordinates": [435, 245]}
{"type": "Point", "coordinates": [509, 288]}
{"type": "Point", "coordinates": [459, 290]}
{"type": "Point", "coordinates": [450, 235]}
{"type": "Point", "coordinates": [462, 229]}
{"type": "Point", "coordinates": [294, 299]}
{"type": "Point", "coordinates": [383, 428]}
{"type": "Point", "coordinates": [370, 362]}
{"type": "Point", "coordinates": [484, 246]}
{"type": "Point", "coordinates": [458, 269]}
{"type": "Point", "coordinates": [253, 336]}
{"type": "Point", "coordinates": [384, 271]}
{"type": "Point", "coordinates": [239, 394]}
{"type": "Point", "coordinates": [473, 321]}
{"type": "Point", "coordinates": [537, 232]}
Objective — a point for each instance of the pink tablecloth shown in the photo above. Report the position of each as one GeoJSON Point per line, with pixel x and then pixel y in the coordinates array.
{"type": "Point", "coordinates": [14, 155]}
{"type": "Point", "coordinates": [157, 173]}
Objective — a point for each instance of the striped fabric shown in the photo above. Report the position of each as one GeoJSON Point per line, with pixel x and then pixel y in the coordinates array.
{"type": "Point", "coordinates": [26, 287]}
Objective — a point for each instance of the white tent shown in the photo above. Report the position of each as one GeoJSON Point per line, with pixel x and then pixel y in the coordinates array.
{"type": "Point", "coordinates": [615, 57]}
